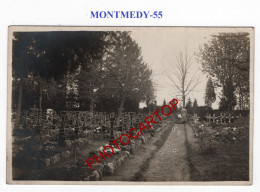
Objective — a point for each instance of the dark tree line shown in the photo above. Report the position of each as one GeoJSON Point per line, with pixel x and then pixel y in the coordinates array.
{"type": "Point", "coordinates": [192, 107]}
{"type": "Point", "coordinates": [78, 71]}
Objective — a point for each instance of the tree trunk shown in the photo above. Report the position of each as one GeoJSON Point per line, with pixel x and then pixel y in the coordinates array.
{"type": "Point", "coordinates": [19, 106]}
{"type": "Point", "coordinates": [183, 100]}
{"type": "Point", "coordinates": [120, 110]}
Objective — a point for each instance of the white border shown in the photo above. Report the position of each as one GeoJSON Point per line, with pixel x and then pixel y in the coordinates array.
{"type": "Point", "coordinates": [175, 12]}
{"type": "Point", "coordinates": [134, 29]}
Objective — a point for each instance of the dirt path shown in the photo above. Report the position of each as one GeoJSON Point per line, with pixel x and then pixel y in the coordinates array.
{"type": "Point", "coordinates": [170, 162]}
{"type": "Point", "coordinates": [130, 169]}
{"type": "Point", "coordinates": [163, 158]}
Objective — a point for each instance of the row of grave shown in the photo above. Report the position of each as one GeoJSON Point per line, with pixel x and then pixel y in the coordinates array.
{"type": "Point", "coordinates": [108, 168]}
{"type": "Point", "coordinates": [82, 119]}
{"type": "Point", "coordinates": [104, 168]}
{"type": "Point", "coordinates": [221, 118]}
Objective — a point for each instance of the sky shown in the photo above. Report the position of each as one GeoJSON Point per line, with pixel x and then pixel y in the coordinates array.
{"type": "Point", "coordinates": [161, 45]}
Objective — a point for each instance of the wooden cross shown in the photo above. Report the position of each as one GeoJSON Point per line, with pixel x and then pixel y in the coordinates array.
{"type": "Point", "coordinates": [214, 117]}
{"type": "Point", "coordinates": [111, 135]}
{"type": "Point", "coordinates": [229, 117]}
{"type": "Point", "coordinates": [222, 117]}
{"type": "Point", "coordinates": [208, 117]}
{"type": "Point", "coordinates": [131, 119]}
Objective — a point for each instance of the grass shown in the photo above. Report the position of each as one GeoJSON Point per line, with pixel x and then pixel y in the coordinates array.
{"type": "Point", "coordinates": [218, 161]}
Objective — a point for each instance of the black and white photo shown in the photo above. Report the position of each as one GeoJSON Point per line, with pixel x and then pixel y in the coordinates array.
{"type": "Point", "coordinates": [74, 90]}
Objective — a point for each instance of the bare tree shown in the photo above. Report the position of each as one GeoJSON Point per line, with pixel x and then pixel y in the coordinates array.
{"type": "Point", "coordinates": [180, 75]}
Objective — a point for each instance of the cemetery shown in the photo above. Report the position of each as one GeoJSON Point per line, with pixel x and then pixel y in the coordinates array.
{"type": "Point", "coordinates": [53, 142]}
{"type": "Point", "coordinates": [113, 146]}
{"type": "Point", "coordinates": [222, 146]}
{"type": "Point", "coordinates": [48, 142]}
{"type": "Point", "coordinates": [84, 108]}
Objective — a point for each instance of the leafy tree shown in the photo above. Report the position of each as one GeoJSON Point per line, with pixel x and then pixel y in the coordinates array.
{"type": "Point", "coordinates": [149, 96]}
{"type": "Point", "coordinates": [48, 56]}
{"type": "Point", "coordinates": [126, 73]}
{"type": "Point", "coordinates": [223, 105]}
{"type": "Point", "coordinates": [210, 96]}
{"type": "Point", "coordinates": [195, 106]}
{"type": "Point", "coordinates": [195, 103]}
{"type": "Point", "coordinates": [89, 82]}
{"type": "Point", "coordinates": [226, 60]}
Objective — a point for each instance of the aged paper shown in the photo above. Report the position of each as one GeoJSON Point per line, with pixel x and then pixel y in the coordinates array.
{"type": "Point", "coordinates": [73, 90]}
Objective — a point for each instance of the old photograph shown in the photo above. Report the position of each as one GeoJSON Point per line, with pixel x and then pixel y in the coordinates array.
{"type": "Point", "coordinates": [135, 105]}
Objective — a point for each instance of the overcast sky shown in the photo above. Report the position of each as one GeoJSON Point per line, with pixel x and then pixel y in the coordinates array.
{"type": "Point", "coordinates": [159, 49]}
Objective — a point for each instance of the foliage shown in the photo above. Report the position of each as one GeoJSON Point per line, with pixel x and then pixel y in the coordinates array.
{"type": "Point", "coordinates": [210, 96]}
{"type": "Point", "coordinates": [126, 73]}
{"type": "Point", "coordinates": [202, 112]}
{"type": "Point", "coordinates": [189, 103]}
{"type": "Point", "coordinates": [41, 58]}
{"type": "Point", "coordinates": [52, 54]}
{"type": "Point", "coordinates": [83, 70]}
{"type": "Point", "coordinates": [195, 106]}
{"type": "Point", "coordinates": [226, 60]}
{"type": "Point", "coordinates": [189, 106]}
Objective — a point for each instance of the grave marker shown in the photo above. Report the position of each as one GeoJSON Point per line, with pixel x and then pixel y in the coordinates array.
{"type": "Point", "coordinates": [111, 135]}
{"type": "Point", "coordinates": [38, 125]}
{"type": "Point", "coordinates": [62, 130]}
